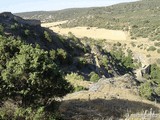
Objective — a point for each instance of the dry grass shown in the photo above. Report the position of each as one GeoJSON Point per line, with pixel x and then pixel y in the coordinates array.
{"type": "Point", "coordinates": [111, 36]}
{"type": "Point", "coordinates": [112, 101]}
{"type": "Point", "coordinates": [101, 109]}
{"type": "Point", "coordinates": [93, 32]}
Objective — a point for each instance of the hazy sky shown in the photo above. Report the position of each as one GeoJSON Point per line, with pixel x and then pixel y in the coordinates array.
{"type": "Point", "coordinates": [36, 5]}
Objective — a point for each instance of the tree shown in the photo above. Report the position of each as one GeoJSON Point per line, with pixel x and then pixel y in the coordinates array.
{"type": "Point", "coordinates": [47, 36]}
{"type": "Point", "coordinates": [31, 76]}
{"type": "Point", "coordinates": [61, 54]}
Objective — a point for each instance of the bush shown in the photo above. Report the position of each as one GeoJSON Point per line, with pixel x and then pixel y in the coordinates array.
{"type": "Point", "coordinates": [146, 90]}
{"type": "Point", "coordinates": [151, 48]}
{"type": "Point", "coordinates": [14, 27]}
{"type": "Point", "coordinates": [119, 44]}
{"type": "Point", "coordinates": [104, 61]}
{"type": "Point", "coordinates": [73, 77]}
{"type": "Point", "coordinates": [61, 54]}
{"type": "Point", "coordinates": [151, 89]}
{"type": "Point", "coordinates": [155, 72]}
{"type": "Point", "coordinates": [133, 44]}
{"type": "Point", "coordinates": [52, 54]}
{"type": "Point", "coordinates": [157, 44]}
{"type": "Point", "coordinates": [79, 88]}
{"type": "Point", "coordinates": [47, 36]}
{"type": "Point", "coordinates": [30, 75]}
{"type": "Point", "coordinates": [81, 62]}
{"type": "Point", "coordinates": [94, 77]}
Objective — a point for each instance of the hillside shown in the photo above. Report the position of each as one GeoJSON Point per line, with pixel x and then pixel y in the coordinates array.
{"type": "Point", "coordinates": [140, 18]}
{"type": "Point", "coordinates": [78, 64]}
{"type": "Point", "coordinates": [35, 60]}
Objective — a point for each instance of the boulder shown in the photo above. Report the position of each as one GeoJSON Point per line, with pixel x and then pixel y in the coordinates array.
{"type": "Point", "coordinates": [146, 70]}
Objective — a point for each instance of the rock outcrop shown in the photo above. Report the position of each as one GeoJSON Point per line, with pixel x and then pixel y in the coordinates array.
{"type": "Point", "coordinates": [10, 17]}
{"type": "Point", "coordinates": [146, 70]}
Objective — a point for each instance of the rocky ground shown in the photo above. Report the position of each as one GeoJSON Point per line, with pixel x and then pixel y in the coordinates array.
{"type": "Point", "coordinates": [109, 98]}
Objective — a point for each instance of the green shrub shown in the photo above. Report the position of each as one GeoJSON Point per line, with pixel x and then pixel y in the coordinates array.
{"type": "Point", "coordinates": [82, 62]}
{"type": "Point", "coordinates": [119, 44]}
{"type": "Point", "coordinates": [94, 77]}
{"type": "Point", "coordinates": [151, 48]}
{"type": "Point", "coordinates": [155, 72]}
{"type": "Point", "coordinates": [74, 76]}
{"type": "Point", "coordinates": [79, 88]}
{"type": "Point", "coordinates": [52, 54]}
{"type": "Point", "coordinates": [151, 88]}
{"type": "Point", "coordinates": [104, 61]}
{"type": "Point", "coordinates": [133, 44]}
{"type": "Point", "coordinates": [157, 44]}
{"type": "Point", "coordinates": [146, 90]}
{"type": "Point", "coordinates": [148, 55]}
{"type": "Point", "coordinates": [47, 36]}
{"type": "Point", "coordinates": [30, 75]}
{"type": "Point", "coordinates": [157, 90]}
{"type": "Point", "coordinates": [14, 27]}
{"type": "Point", "coordinates": [61, 54]}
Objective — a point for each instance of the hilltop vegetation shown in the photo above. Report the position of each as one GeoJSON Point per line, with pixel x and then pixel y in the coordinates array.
{"type": "Point", "coordinates": [140, 18]}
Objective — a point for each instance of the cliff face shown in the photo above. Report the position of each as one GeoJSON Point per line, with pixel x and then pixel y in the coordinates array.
{"type": "Point", "coordinates": [8, 16]}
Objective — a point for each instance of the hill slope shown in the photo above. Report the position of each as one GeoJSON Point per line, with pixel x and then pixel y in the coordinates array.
{"type": "Point", "coordinates": [35, 61]}
{"type": "Point", "coordinates": [140, 18]}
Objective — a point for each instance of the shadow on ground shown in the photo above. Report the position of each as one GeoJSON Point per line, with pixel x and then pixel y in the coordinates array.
{"type": "Point", "coordinates": [101, 109]}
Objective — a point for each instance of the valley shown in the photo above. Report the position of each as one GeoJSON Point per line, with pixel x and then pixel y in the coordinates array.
{"type": "Point", "coordinates": [138, 47]}
{"type": "Point", "coordinates": [103, 90]}
{"type": "Point", "coordinates": [96, 63]}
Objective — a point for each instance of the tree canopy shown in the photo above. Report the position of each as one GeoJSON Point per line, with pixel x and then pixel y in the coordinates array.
{"type": "Point", "coordinates": [29, 74]}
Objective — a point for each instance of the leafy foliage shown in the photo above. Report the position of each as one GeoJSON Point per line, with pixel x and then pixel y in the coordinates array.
{"type": "Point", "coordinates": [47, 36]}
{"type": "Point", "coordinates": [94, 77]}
{"type": "Point", "coordinates": [146, 90]}
{"type": "Point", "coordinates": [151, 88]}
{"type": "Point", "coordinates": [30, 75]}
{"type": "Point", "coordinates": [74, 76]}
{"type": "Point", "coordinates": [151, 48]}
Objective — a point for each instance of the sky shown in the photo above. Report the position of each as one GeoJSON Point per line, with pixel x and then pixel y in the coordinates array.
{"type": "Point", "coordinates": [16, 6]}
